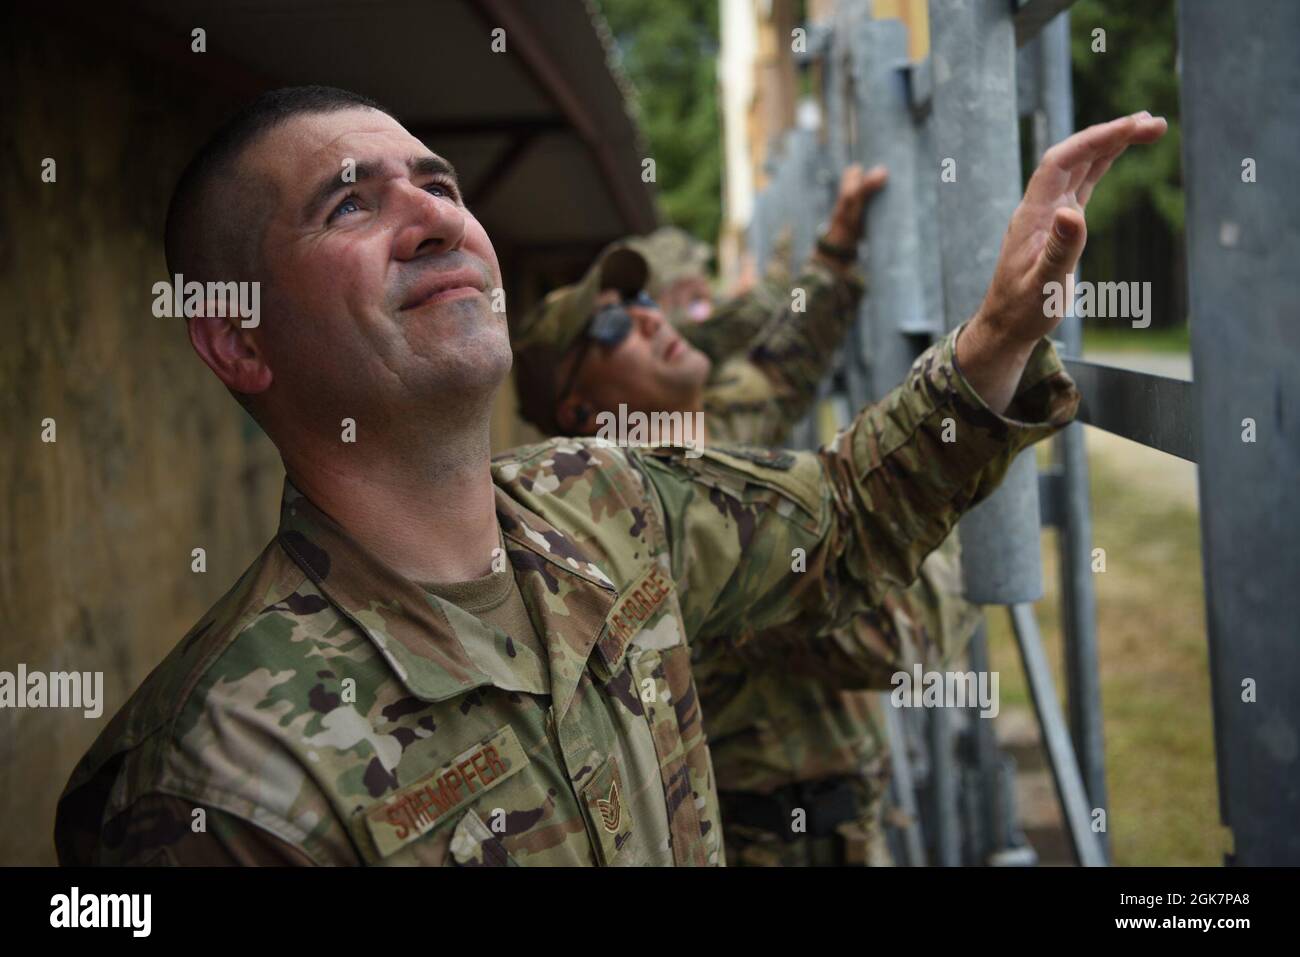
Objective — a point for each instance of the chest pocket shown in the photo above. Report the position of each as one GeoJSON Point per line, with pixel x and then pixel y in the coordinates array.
{"type": "Point", "coordinates": [473, 844]}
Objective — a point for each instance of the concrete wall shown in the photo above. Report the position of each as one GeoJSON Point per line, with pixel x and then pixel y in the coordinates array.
{"type": "Point", "coordinates": [152, 458]}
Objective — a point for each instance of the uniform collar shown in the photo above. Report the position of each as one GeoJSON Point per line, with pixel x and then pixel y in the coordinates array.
{"type": "Point", "coordinates": [568, 596]}
{"type": "Point", "coordinates": [424, 639]}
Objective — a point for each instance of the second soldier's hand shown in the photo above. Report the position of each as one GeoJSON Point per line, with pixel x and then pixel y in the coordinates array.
{"type": "Point", "coordinates": [1042, 245]}
{"type": "Point", "coordinates": [844, 228]}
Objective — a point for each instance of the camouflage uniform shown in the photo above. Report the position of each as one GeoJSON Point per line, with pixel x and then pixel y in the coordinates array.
{"type": "Point", "coordinates": [328, 710]}
{"type": "Point", "coordinates": [673, 254]}
{"type": "Point", "coordinates": [735, 323]}
{"type": "Point", "coordinates": [782, 742]}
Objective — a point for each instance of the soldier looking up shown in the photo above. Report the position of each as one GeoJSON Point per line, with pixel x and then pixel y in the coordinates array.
{"type": "Point", "coordinates": [378, 686]}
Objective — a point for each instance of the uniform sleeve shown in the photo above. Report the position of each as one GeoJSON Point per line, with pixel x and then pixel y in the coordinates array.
{"type": "Point", "coordinates": [736, 322]}
{"type": "Point", "coordinates": [761, 539]}
{"type": "Point", "coordinates": [787, 330]}
{"type": "Point", "coordinates": [160, 830]}
{"type": "Point", "coordinates": [929, 623]}
{"type": "Point", "coordinates": [795, 352]}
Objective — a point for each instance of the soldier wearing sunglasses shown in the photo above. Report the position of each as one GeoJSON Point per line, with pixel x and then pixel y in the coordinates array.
{"type": "Point", "coordinates": [781, 743]}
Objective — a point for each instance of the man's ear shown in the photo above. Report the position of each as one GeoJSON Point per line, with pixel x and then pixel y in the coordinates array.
{"type": "Point", "coordinates": [230, 351]}
{"type": "Point", "coordinates": [574, 416]}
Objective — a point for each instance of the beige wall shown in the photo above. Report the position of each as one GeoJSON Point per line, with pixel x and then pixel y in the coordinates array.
{"type": "Point", "coordinates": [153, 458]}
{"type": "Point", "coordinates": [757, 89]}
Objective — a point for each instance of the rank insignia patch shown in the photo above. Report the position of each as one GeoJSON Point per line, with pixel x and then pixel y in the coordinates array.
{"type": "Point", "coordinates": [608, 812]}
{"type": "Point", "coordinates": [610, 809]}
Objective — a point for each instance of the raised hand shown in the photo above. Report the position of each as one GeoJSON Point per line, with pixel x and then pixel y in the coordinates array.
{"type": "Point", "coordinates": [857, 186]}
{"type": "Point", "coordinates": [1042, 245]}
{"type": "Point", "coordinates": [1048, 230]}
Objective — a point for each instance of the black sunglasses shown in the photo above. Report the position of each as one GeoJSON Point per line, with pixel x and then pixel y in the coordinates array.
{"type": "Point", "coordinates": [608, 327]}
{"type": "Point", "coordinates": [611, 324]}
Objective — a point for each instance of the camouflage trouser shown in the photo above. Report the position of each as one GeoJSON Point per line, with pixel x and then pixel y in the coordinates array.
{"type": "Point", "coordinates": [842, 826]}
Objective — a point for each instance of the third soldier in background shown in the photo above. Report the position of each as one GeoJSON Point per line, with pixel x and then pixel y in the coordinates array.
{"type": "Point", "coordinates": [801, 762]}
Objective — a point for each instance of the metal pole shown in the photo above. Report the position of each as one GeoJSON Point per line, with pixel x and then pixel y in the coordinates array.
{"type": "Point", "coordinates": [842, 144]}
{"type": "Point", "coordinates": [894, 324]}
{"type": "Point", "coordinates": [988, 764]}
{"type": "Point", "coordinates": [1078, 599]}
{"type": "Point", "coordinates": [806, 206]}
{"type": "Point", "coordinates": [943, 782]}
{"type": "Point", "coordinates": [896, 258]}
{"type": "Point", "coordinates": [904, 786]}
{"type": "Point", "coordinates": [1056, 739]}
{"type": "Point", "coordinates": [975, 126]}
{"type": "Point", "coordinates": [1241, 163]}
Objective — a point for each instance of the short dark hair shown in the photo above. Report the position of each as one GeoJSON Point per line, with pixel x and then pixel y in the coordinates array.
{"type": "Point", "coordinates": [187, 237]}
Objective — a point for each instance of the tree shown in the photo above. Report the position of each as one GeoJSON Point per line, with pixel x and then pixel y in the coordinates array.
{"type": "Point", "coordinates": [1137, 71]}
{"type": "Point", "coordinates": [1135, 220]}
{"type": "Point", "coordinates": [668, 50]}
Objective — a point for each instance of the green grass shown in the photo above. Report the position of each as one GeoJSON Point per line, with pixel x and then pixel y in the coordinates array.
{"type": "Point", "coordinates": [1124, 338]}
{"type": "Point", "coordinates": [1154, 669]}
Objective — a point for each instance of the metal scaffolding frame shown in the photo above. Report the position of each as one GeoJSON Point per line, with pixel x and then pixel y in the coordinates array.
{"type": "Point", "coordinates": [932, 252]}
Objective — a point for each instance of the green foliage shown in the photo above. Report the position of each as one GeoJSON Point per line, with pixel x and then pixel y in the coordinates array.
{"type": "Point", "coordinates": [1136, 72]}
{"type": "Point", "coordinates": [669, 51]}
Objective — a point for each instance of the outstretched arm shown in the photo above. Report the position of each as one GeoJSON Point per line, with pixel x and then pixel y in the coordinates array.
{"type": "Point", "coordinates": [1043, 243]}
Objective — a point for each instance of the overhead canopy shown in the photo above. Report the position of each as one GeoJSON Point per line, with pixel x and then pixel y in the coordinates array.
{"type": "Point", "coordinates": [548, 155]}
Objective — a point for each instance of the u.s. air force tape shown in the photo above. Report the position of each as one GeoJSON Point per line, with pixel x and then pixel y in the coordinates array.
{"type": "Point", "coordinates": [638, 604]}
{"type": "Point", "coordinates": [419, 807]}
